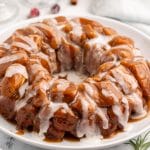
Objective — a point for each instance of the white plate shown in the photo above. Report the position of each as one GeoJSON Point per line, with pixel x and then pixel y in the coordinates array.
{"type": "Point", "coordinates": [142, 41]}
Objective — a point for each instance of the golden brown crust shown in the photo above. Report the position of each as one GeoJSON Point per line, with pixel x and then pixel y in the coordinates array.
{"type": "Point", "coordinates": [109, 31]}
{"type": "Point", "coordinates": [120, 40]}
{"type": "Point", "coordinates": [141, 71]}
{"type": "Point", "coordinates": [107, 99]}
{"type": "Point", "coordinates": [116, 88]}
{"type": "Point", "coordinates": [10, 85]}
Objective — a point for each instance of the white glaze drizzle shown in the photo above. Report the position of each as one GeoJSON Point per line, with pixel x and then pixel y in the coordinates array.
{"type": "Point", "coordinates": [50, 111]}
{"type": "Point", "coordinates": [29, 41]}
{"type": "Point", "coordinates": [109, 77]}
{"type": "Point", "coordinates": [60, 27]}
{"type": "Point", "coordinates": [22, 102]}
{"type": "Point", "coordinates": [136, 52]}
{"type": "Point", "coordinates": [120, 78]}
{"type": "Point", "coordinates": [101, 40]}
{"type": "Point", "coordinates": [122, 116]}
{"type": "Point", "coordinates": [38, 70]}
{"type": "Point", "coordinates": [45, 57]}
{"type": "Point", "coordinates": [107, 93]}
{"type": "Point", "coordinates": [16, 68]}
{"type": "Point", "coordinates": [35, 30]}
{"type": "Point", "coordinates": [5, 46]}
{"type": "Point", "coordinates": [62, 84]}
{"type": "Point", "coordinates": [128, 47]}
{"type": "Point", "coordinates": [101, 74]}
{"type": "Point", "coordinates": [22, 89]}
{"type": "Point", "coordinates": [77, 29]}
{"type": "Point", "coordinates": [22, 45]}
{"type": "Point", "coordinates": [102, 113]}
{"type": "Point", "coordinates": [84, 127]}
{"type": "Point", "coordinates": [49, 28]}
{"type": "Point", "coordinates": [137, 106]}
{"type": "Point", "coordinates": [43, 86]}
{"type": "Point", "coordinates": [10, 58]}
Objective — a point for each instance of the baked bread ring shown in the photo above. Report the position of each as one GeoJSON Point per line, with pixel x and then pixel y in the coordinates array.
{"type": "Point", "coordinates": [114, 84]}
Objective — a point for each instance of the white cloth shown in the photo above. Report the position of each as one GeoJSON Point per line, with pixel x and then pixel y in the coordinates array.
{"type": "Point", "coordinates": [134, 12]}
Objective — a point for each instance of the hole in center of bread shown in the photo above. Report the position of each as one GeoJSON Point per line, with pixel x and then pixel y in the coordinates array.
{"type": "Point", "coordinates": [71, 75]}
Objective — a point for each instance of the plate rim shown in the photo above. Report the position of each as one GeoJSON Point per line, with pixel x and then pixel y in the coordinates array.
{"type": "Point", "coordinates": [55, 146]}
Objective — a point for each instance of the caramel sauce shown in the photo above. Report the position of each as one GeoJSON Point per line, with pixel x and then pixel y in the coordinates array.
{"type": "Point", "coordinates": [135, 120]}
{"type": "Point", "coordinates": [52, 140]}
{"type": "Point", "coordinates": [68, 137]}
{"type": "Point", "coordinates": [71, 138]}
{"type": "Point", "coordinates": [20, 132]}
{"type": "Point", "coordinates": [113, 134]}
{"type": "Point", "coordinates": [148, 113]}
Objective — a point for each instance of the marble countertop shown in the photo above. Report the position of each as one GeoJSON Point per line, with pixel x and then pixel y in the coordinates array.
{"type": "Point", "coordinates": [7, 142]}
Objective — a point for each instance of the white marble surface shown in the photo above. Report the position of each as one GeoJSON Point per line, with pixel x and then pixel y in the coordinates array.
{"type": "Point", "coordinates": [9, 143]}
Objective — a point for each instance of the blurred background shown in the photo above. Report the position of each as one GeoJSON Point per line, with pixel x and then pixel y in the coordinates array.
{"type": "Point", "coordinates": [12, 11]}
{"type": "Point", "coordinates": [133, 12]}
